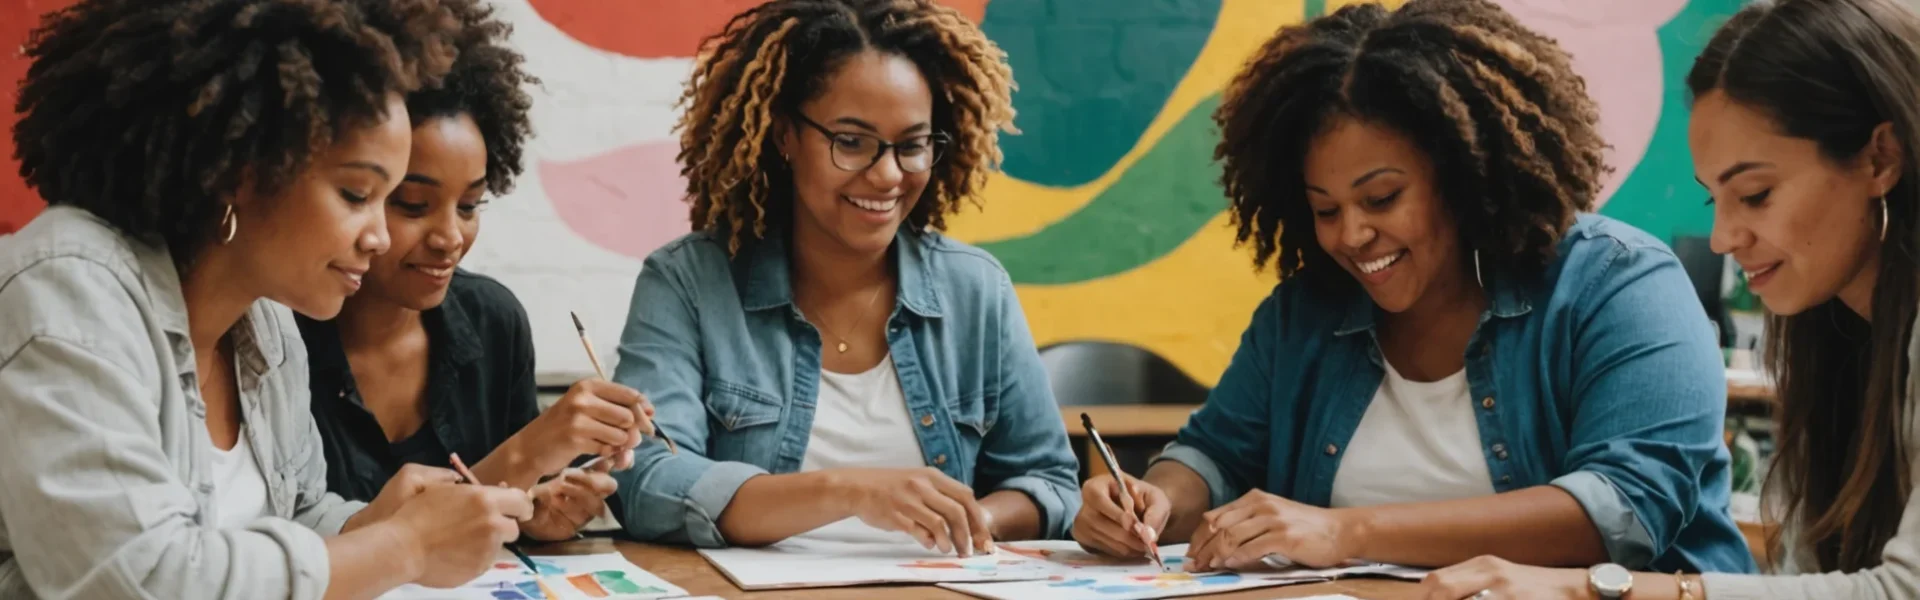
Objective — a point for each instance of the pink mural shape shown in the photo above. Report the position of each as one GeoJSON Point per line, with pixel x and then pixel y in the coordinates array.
{"type": "Point", "coordinates": [662, 28]}
{"type": "Point", "coordinates": [1616, 48]}
{"type": "Point", "coordinates": [629, 201]}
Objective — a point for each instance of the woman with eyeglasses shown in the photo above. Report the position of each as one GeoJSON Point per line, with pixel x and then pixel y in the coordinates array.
{"type": "Point", "coordinates": [823, 355]}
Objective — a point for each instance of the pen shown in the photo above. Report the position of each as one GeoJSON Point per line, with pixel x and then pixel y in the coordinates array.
{"type": "Point", "coordinates": [594, 357]}
{"type": "Point", "coordinates": [1120, 479]}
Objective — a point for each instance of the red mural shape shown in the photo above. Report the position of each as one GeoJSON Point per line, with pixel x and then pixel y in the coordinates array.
{"type": "Point", "coordinates": [662, 28]}
{"type": "Point", "coordinates": [17, 19]}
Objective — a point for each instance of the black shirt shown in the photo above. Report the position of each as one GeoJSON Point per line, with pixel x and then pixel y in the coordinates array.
{"type": "Point", "coordinates": [480, 389]}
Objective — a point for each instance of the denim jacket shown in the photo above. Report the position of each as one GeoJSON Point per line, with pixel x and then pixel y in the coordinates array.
{"type": "Point", "coordinates": [733, 370]}
{"type": "Point", "coordinates": [106, 467]}
{"type": "Point", "coordinates": [1601, 377]}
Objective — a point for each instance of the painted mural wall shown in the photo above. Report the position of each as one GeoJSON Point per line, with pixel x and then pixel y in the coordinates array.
{"type": "Point", "coordinates": [1107, 216]}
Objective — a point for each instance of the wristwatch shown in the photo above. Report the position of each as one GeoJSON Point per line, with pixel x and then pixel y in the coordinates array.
{"type": "Point", "coordinates": [1610, 581]}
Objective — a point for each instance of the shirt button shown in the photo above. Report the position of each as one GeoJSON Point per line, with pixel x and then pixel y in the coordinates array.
{"type": "Point", "coordinates": [1506, 479]}
{"type": "Point", "coordinates": [1332, 449]}
{"type": "Point", "coordinates": [926, 420]}
{"type": "Point", "coordinates": [940, 460]}
{"type": "Point", "coordinates": [1487, 403]}
{"type": "Point", "coordinates": [1500, 451]}
{"type": "Point", "coordinates": [343, 393]}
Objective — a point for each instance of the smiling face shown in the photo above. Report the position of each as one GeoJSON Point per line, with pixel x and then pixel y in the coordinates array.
{"type": "Point", "coordinates": [310, 244]}
{"type": "Point", "coordinates": [1378, 214]}
{"type": "Point", "coordinates": [1803, 227]}
{"type": "Point", "coordinates": [433, 217]}
{"type": "Point", "coordinates": [871, 96]}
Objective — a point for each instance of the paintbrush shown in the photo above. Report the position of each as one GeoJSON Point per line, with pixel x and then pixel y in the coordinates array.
{"type": "Point", "coordinates": [1120, 479]}
{"type": "Point", "coordinates": [460, 467]}
{"type": "Point", "coordinates": [594, 357]}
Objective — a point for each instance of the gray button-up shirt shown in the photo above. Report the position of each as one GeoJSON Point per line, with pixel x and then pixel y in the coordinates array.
{"type": "Point", "coordinates": [106, 482]}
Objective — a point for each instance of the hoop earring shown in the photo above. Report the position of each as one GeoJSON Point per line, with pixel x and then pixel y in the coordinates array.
{"type": "Point", "coordinates": [231, 223]}
{"type": "Point", "coordinates": [1886, 221]}
{"type": "Point", "coordinates": [1476, 270]}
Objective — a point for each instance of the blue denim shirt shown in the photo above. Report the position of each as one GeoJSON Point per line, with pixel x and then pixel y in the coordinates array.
{"type": "Point", "coordinates": [1601, 377]}
{"type": "Point", "coordinates": [733, 370]}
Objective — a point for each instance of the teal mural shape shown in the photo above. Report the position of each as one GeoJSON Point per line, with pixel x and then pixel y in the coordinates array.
{"type": "Point", "coordinates": [1660, 196]}
{"type": "Point", "coordinates": [1091, 78]}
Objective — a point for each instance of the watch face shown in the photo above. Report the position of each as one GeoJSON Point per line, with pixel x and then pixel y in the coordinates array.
{"type": "Point", "coordinates": [1611, 578]}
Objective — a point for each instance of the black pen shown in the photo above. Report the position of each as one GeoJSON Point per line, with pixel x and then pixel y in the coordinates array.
{"type": "Point", "coordinates": [1120, 479]}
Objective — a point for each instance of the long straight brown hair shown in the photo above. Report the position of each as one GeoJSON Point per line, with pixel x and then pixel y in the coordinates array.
{"type": "Point", "coordinates": [1831, 71]}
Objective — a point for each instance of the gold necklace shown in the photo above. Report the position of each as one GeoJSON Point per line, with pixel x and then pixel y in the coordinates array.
{"type": "Point", "coordinates": [864, 311]}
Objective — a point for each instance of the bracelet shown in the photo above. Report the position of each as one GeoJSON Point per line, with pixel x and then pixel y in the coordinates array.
{"type": "Point", "coordinates": [1686, 585]}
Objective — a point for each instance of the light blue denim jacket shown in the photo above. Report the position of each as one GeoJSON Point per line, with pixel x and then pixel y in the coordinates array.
{"type": "Point", "coordinates": [733, 368]}
{"type": "Point", "coordinates": [1602, 378]}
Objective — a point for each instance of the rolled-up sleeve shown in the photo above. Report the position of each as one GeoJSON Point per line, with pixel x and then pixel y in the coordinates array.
{"type": "Point", "coordinates": [1649, 403]}
{"type": "Point", "coordinates": [1027, 449]}
{"type": "Point", "coordinates": [90, 502]}
{"type": "Point", "coordinates": [671, 497]}
{"type": "Point", "coordinates": [1226, 442]}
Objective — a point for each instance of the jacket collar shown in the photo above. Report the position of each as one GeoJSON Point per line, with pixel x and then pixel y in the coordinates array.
{"type": "Point", "coordinates": [764, 273]}
{"type": "Point", "coordinates": [1506, 299]}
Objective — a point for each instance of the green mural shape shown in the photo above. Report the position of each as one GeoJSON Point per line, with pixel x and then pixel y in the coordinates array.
{"type": "Point", "coordinates": [1660, 195]}
{"type": "Point", "coordinates": [1153, 208]}
{"type": "Point", "coordinates": [1091, 79]}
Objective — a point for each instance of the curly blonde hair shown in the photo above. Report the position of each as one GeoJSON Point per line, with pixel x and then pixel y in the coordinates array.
{"type": "Point", "coordinates": [770, 59]}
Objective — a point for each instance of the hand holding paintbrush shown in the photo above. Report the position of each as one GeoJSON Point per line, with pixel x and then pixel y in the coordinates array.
{"type": "Point", "coordinates": [643, 413]}
{"type": "Point", "coordinates": [1106, 511]}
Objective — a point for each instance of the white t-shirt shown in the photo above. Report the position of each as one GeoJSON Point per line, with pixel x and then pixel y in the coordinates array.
{"type": "Point", "coordinates": [239, 486]}
{"type": "Point", "coordinates": [1417, 442]}
{"type": "Point", "coordinates": [861, 420]}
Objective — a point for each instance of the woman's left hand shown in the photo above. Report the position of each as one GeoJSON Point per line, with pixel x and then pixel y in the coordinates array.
{"type": "Point", "coordinates": [1258, 524]}
{"type": "Point", "coordinates": [1503, 580]}
{"type": "Point", "coordinates": [564, 504]}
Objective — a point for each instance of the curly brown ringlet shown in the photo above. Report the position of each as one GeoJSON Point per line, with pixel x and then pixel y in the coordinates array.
{"type": "Point", "coordinates": [487, 82]}
{"type": "Point", "coordinates": [147, 113]}
{"type": "Point", "coordinates": [767, 61]}
{"type": "Point", "coordinates": [1498, 108]}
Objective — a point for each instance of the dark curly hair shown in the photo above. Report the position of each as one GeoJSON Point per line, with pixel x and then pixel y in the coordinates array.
{"type": "Point", "coordinates": [148, 112]}
{"type": "Point", "coordinates": [774, 57]}
{"type": "Point", "coordinates": [486, 84]}
{"type": "Point", "coordinates": [1496, 107]}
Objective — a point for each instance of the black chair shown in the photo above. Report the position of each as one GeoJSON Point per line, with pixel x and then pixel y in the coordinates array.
{"type": "Point", "coordinates": [1088, 373]}
{"type": "Point", "coordinates": [1706, 270]}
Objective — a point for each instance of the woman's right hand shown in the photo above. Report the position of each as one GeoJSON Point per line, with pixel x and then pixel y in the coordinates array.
{"type": "Point", "coordinates": [936, 510]}
{"type": "Point", "coordinates": [456, 530]}
{"type": "Point", "coordinates": [1110, 523]}
{"type": "Point", "coordinates": [594, 417]}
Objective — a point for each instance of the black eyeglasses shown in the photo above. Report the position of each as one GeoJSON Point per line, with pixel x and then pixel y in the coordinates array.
{"type": "Point", "coordinates": [859, 151]}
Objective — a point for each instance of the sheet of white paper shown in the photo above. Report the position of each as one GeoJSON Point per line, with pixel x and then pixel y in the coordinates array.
{"type": "Point", "coordinates": [1082, 576]}
{"type": "Point", "coordinates": [851, 553]}
{"type": "Point", "coordinates": [583, 577]}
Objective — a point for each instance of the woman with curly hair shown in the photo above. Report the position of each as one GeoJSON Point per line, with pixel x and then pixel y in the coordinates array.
{"type": "Point", "coordinates": [1458, 361]}
{"type": "Point", "coordinates": [1805, 119]}
{"type": "Point", "coordinates": [209, 164]}
{"type": "Point", "coordinates": [819, 349]}
{"type": "Point", "coordinates": [429, 361]}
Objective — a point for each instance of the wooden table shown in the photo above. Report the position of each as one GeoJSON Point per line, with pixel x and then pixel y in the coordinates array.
{"type": "Point", "coordinates": [687, 569]}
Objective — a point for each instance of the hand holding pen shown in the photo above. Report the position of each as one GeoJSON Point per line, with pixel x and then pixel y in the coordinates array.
{"type": "Point", "coordinates": [1120, 515]}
